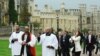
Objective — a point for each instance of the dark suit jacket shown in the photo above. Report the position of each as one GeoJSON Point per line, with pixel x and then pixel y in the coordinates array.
{"type": "Point", "coordinates": [90, 46]}
{"type": "Point", "coordinates": [64, 43]}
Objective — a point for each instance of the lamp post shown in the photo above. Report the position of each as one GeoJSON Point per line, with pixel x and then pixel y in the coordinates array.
{"type": "Point", "coordinates": [30, 23]}
{"type": "Point", "coordinates": [92, 23]}
{"type": "Point", "coordinates": [80, 21]}
{"type": "Point", "coordinates": [57, 23]}
{"type": "Point", "coordinates": [70, 25]}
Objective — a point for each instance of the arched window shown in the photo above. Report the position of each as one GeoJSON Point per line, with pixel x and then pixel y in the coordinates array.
{"type": "Point", "coordinates": [88, 20]}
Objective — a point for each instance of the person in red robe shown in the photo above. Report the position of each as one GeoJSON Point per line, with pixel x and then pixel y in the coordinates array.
{"type": "Point", "coordinates": [28, 41]}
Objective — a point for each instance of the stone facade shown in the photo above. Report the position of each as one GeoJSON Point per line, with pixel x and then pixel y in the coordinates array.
{"type": "Point", "coordinates": [4, 12]}
{"type": "Point", "coordinates": [68, 18]}
{"type": "Point", "coordinates": [90, 18]}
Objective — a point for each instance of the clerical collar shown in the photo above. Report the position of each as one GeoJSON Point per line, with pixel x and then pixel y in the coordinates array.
{"type": "Point", "coordinates": [27, 33]}
{"type": "Point", "coordinates": [48, 34]}
{"type": "Point", "coordinates": [17, 31]}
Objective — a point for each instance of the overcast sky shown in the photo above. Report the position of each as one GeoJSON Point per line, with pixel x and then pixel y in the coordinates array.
{"type": "Point", "coordinates": [68, 3]}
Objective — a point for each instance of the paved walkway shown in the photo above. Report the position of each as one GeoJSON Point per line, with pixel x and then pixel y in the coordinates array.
{"type": "Point", "coordinates": [92, 53]}
{"type": "Point", "coordinates": [87, 54]}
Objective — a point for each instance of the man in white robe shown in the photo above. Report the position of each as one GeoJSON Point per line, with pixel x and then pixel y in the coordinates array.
{"type": "Point", "coordinates": [49, 43]}
{"type": "Point", "coordinates": [28, 41]}
{"type": "Point", "coordinates": [13, 41]}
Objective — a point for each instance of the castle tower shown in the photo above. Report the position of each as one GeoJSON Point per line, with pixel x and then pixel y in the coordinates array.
{"type": "Point", "coordinates": [83, 9]}
{"type": "Point", "coordinates": [31, 6]}
{"type": "Point", "coordinates": [94, 10]}
{"type": "Point", "coordinates": [94, 18]}
{"type": "Point", "coordinates": [46, 7]}
{"type": "Point", "coordinates": [62, 8]}
{"type": "Point", "coordinates": [82, 16]}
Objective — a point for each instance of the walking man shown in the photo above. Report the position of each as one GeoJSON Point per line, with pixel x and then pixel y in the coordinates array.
{"type": "Point", "coordinates": [28, 41]}
{"type": "Point", "coordinates": [13, 41]}
{"type": "Point", "coordinates": [90, 42]}
{"type": "Point", "coordinates": [49, 43]}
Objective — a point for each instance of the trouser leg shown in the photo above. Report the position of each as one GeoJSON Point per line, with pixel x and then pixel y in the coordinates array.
{"type": "Point", "coordinates": [96, 50]}
{"type": "Point", "coordinates": [64, 53]}
{"type": "Point", "coordinates": [90, 53]}
{"type": "Point", "coordinates": [68, 54]}
{"type": "Point", "coordinates": [59, 52]}
{"type": "Point", "coordinates": [77, 53]}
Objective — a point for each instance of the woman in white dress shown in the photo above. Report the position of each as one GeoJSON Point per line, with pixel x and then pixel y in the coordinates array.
{"type": "Point", "coordinates": [77, 45]}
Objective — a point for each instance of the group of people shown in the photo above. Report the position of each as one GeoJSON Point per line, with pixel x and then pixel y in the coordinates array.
{"type": "Point", "coordinates": [23, 43]}
{"type": "Point", "coordinates": [77, 43]}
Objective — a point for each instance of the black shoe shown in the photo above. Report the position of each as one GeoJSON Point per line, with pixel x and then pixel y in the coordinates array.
{"type": "Point", "coordinates": [95, 53]}
{"type": "Point", "coordinates": [83, 53]}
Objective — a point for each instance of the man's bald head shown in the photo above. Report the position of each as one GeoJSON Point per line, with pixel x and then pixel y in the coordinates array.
{"type": "Point", "coordinates": [17, 28]}
{"type": "Point", "coordinates": [48, 29]}
{"type": "Point", "coordinates": [90, 32]}
{"type": "Point", "coordinates": [26, 28]}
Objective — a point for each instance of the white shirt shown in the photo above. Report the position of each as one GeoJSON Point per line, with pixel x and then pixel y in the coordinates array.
{"type": "Point", "coordinates": [89, 38]}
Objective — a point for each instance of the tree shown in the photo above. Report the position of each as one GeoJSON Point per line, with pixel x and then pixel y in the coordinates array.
{"type": "Point", "coordinates": [36, 25]}
{"type": "Point", "coordinates": [85, 30]}
{"type": "Point", "coordinates": [24, 15]}
{"type": "Point", "coordinates": [13, 15]}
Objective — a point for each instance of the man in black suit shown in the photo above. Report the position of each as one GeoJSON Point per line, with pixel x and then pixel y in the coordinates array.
{"type": "Point", "coordinates": [97, 43]}
{"type": "Point", "coordinates": [65, 44]}
{"type": "Point", "coordinates": [90, 42]}
{"type": "Point", "coordinates": [59, 39]}
{"type": "Point", "coordinates": [84, 43]}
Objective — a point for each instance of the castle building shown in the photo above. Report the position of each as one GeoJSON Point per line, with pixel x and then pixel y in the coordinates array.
{"type": "Point", "coordinates": [68, 18]}
{"type": "Point", "coordinates": [81, 18]}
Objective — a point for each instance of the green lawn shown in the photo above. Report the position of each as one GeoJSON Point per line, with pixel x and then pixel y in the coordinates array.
{"type": "Point", "coordinates": [5, 51]}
